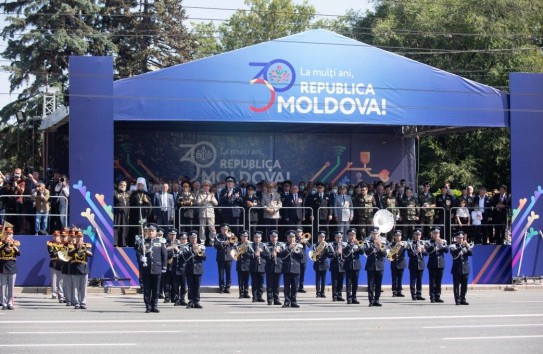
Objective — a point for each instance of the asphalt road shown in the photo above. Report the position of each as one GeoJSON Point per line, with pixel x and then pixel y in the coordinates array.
{"type": "Point", "coordinates": [496, 321]}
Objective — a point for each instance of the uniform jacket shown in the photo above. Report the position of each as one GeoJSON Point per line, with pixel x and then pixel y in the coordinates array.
{"type": "Point", "coordinates": [8, 259]}
{"type": "Point", "coordinates": [156, 254]}
{"type": "Point", "coordinates": [399, 261]}
{"type": "Point", "coordinates": [352, 258]}
{"type": "Point", "coordinates": [322, 262]}
{"type": "Point", "coordinates": [273, 265]}
{"type": "Point", "coordinates": [416, 260]}
{"type": "Point", "coordinates": [223, 251]}
{"type": "Point", "coordinates": [258, 264]}
{"type": "Point", "coordinates": [234, 203]}
{"type": "Point", "coordinates": [194, 263]}
{"type": "Point", "coordinates": [315, 201]}
{"type": "Point", "coordinates": [336, 261]}
{"type": "Point", "coordinates": [436, 257]}
{"type": "Point", "coordinates": [183, 254]}
{"type": "Point", "coordinates": [366, 205]}
{"type": "Point", "coordinates": [376, 258]}
{"type": "Point", "coordinates": [291, 261]}
{"type": "Point", "coordinates": [208, 201]}
{"type": "Point", "coordinates": [427, 200]}
{"type": "Point", "coordinates": [411, 211]}
{"type": "Point", "coordinates": [79, 264]}
{"type": "Point", "coordinates": [343, 207]}
{"type": "Point", "coordinates": [460, 258]}
{"type": "Point", "coordinates": [243, 264]}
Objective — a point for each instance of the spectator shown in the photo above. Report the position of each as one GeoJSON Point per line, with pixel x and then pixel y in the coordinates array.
{"type": "Point", "coordinates": [41, 201]}
{"type": "Point", "coordinates": [62, 193]}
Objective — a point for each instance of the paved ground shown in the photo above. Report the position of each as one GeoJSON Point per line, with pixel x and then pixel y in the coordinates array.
{"type": "Point", "coordinates": [496, 321]}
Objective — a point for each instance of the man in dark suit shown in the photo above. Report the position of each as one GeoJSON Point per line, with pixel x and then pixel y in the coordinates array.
{"type": "Point", "coordinates": [502, 205]}
{"type": "Point", "coordinates": [320, 265]}
{"type": "Point", "coordinates": [352, 265]}
{"type": "Point", "coordinates": [320, 217]}
{"type": "Point", "coordinates": [257, 267]}
{"type": "Point", "coordinates": [398, 264]}
{"type": "Point", "coordinates": [295, 213]}
{"type": "Point", "coordinates": [224, 259]}
{"type": "Point", "coordinates": [283, 212]}
{"type": "Point", "coordinates": [444, 203]}
{"type": "Point", "coordinates": [460, 251]}
{"type": "Point", "coordinates": [153, 258]}
{"type": "Point", "coordinates": [416, 253]}
{"type": "Point", "coordinates": [337, 268]}
{"type": "Point", "coordinates": [436, 249]}
{"type": "Point", "coordinates": [231, 204]}
{"type": "Point", "coordinates": [292, 256]}
{"type": "Point", "coordinates": [485, 206]}
{"type": "Point", "coordinates": [195, 255]}
{"type": "Point", "coordinates": [375, 250]}
{"type": "Point", "coordinates": [164, 206]}
{"type": "Point", "coordinates": [273, 267]}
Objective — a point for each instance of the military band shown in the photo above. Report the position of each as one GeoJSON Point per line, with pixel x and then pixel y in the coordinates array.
{"type": "Point", "coordinates": [397, 263]}
{"type": "Point", "coordinates": [9, 251]}
{"type": "Point", "coordinates": [319, 256]}
{"type": "Point", "coordinates": [194, 255]}
{"type": "Point", "coordinates": [257, 267]}
{"type": "Point", "coordinates": [273, 267]}
{"type": "Point", "coordinates": [337, 269]}
{"type": "Point", "coordinates": [79, 269]}
{"type": "Point", "coordinates": [436, 249]}
{"type": "Point", "coordinates": [243, 263]}
{"type": "Point", "coordinates": [460, 251]}
{"type": "Point", "coordinates": [416, 252]}
{"type": "Point", "coordinates": [224, 243]}
{"type": "Point", "coordinates": [179, 277]}
{"type": "Point", "coordinates": [352, 265]}
{"type": "Point", "coordinates": [291, 256]}
{"type": "Point", "coordinates": [375, 250]}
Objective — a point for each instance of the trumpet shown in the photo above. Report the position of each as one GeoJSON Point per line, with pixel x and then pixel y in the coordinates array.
{"type": "Point", "coordinates": [10, 243]}
{"type": "Point", "coordinates": [305, 238]}
{"type": "Point", "coordinates": [233, 239]}
{"type": "Point", "coordinates": [198, 249]}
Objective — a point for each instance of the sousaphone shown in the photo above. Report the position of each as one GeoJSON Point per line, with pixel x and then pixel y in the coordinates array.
{"type": "Point", "coordinates": [384, 220]}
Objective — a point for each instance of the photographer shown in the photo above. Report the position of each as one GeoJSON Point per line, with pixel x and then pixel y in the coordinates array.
{"type": "Point", "coordinates": [41, 200]}
{"type": "Point", "coordinates": [62, 193]}
{"type": "Point", "coordinates": [18, 186]}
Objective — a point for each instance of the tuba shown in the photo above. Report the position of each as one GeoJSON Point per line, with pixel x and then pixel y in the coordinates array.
{"type": "Point", "coordinates": [319, 250]}
{"type": "Point", "coordinates": [384, 220]}
{"type": "Point", "coordinates": [391, 256]}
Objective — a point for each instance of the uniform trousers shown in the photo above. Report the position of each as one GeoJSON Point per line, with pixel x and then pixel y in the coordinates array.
{"type": "Point", "coordinates": [320, 281]}
{"type": "Point", "coordinates": [375, 278]}
{"type": "Point", "coordinates": [337, 284]}
{"type": "Point", "coordinates": [415, 282]}
{"type": "Point", "coordinates": [435, 274]}
{"type": "Point", "coordinates": [68, 287]}
{"type": "Point", "coordinates": [272, 286]}
{"type": "Point", "coordinates": [7, 283]}
{"type": "Point", "coordinates": [193, 282]}
{"type": "Point", "coordinates": [397, 276]}
{"type": "Point", "coordinates": [179, 287]}
{"type": "Point", "coordinates": [352, 283]}
{"type": "Point", "coordinates": [225, 270]}
{"type": "Point", "coordinates": [151, 286]}
{"type": "Point", "coordinates": [243, 282]}
{"type": "Point", "coordinates": [54, 288]}
{"type": "Point", "coordinates": [302, 274]}
{"type": "Point", "coordinates": [460, 287]}
{"type": "Point", "coordinates": [79, 282]}
{"type": "Point", "coordinates": [290, 282]}
{"type": "Point", "coordinates": [257, 285]}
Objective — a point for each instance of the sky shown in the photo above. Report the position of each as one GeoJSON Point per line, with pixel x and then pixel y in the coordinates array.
{"type": "Point", "coordinates": [324, 7]}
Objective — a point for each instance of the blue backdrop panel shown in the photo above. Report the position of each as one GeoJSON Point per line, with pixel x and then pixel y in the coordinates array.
{"type": "Point", "coordinates": [527, 173]}
{"type": "Point", "coordinates": [346, 158]}
{"type": "Point", "coordinates": [311, 77]}
{"type": "Point", "coordinates": [91, 154]}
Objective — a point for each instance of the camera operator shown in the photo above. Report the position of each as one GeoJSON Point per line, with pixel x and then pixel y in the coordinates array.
{"type": "Point", "coordinates": [41, 201]}
{"type": "Point", "coordinates": [62, 191]}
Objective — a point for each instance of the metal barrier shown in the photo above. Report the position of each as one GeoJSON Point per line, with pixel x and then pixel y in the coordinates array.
{"type": "Point", "coordinates": [485, 233]}
{"type": "Point", "coordinates": [216, 209]}
{"type": "Point", "coordinates": [307, 212]}
{"type": "Point", "coordinates": [431, 213]}
{"type": "Point", "coordinates": [7, 216]}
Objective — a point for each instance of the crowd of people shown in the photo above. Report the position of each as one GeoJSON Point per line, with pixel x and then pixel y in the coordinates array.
{"type": "Point", "coordinates": [34, 206]}
{"type": "Point", "coordinates": [193, 205]}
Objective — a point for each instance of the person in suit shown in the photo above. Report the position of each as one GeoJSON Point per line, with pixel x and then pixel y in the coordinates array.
{"type": "Point", "coordinates": [460, 251]}
{"type": "Point", "coordinates": [352, 265]}
{"type": "Point", "coordinates": [319, 202]}
{"type": "Point", "coordinates": [224, 258]}
{"type": "Point", "coordinates": [291, 256]}
{"type": "Point", "coordinates": [152, 255]}
{"type": "Point", "coordinates": [284, 224]}
{"type": "Point", "coordinates": [164, 206]}
{"type": "Point", "coordinates": [273, 267]}
{"type": "Point", "coordinates": [9, 251]}
{"type": "Point", "coordinates": [80, 255]}
{"type": "Point", "coordinates": [483, 201]}
{"type": "Point", "coordinates": [320, 265]}
{"type": "Point", "coordinates": [375, 250]}
{"type": "Point", "coordinates": [232, 204]}
{"type": "Point", "coordinates": [436, 249]}
{"type": "Point", "coordinates": [195, 256]}
{"type": "Point", "coordinates": [343, 211]}
{"type": "Point", "coordinates": [180, 274]}
{"type": "Point", "coordinates": [502, 206]}
{"type": "Point", "coordinates": [337, 269]}
{"type": "Point", "coordinates": [243, 264]}
{"type": "Point", "coordinates": [398, 264]}
{"type": "Point", "coordinates": [416, 253]}
{"type": "Point", "coordinates": [257, 267]}
{"type": "Point", "coordinates": [303, 260]}
{"type": "Point", "coordinates": [295, 213]}
{"type": "Point", "coordinates": [207, 203]}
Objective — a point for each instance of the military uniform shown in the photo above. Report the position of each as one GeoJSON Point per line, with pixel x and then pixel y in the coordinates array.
{"type": "Point", "coordinates": [375, 266]}
{"type": "Point", "coordinates": [427, 214]}
{"type": "Point", "coordinates": [65, 270]}
{"type": "Point", "coordinates": [436, 264]}
{"type": "Point", "coordinates": [409, 213]}
{"type": "Point", "coordinates": [320, 216]}
{"type": "Point", "coordinates": [232, 200]}
{"type": "Point", "coordinates": [8, 273]}
{"type": "Point", "coordinates": [52, 250]}
{"type": "Point", "coordinates": [390, 203]}
{"type": "Point", "coordinates": [180, 276]}
{"type": "Point", "coordinates": [460, 271]}
{"type": "Point", "coordinates": [416, 253]}
{"type": "Point", "coordinates": [273, 270]}
{"type": "Point", "coordinates": [258, 269]}
{"type": "Point", "coordinates": [352, 268]}
{"type": "Point", "coordinates": [194, 270]}
{"type": "Point", "coordinates": [290, 267]}
{"type": "Point", "coordinates": [397, 267]}
{"type": "Point", "coordinates": [80, 275]}
{"type": "Point", "coordinates": [337, 268]}
{"type": "Point", "coordinates": [445, 201]}
{"type": "Point", "coordinates": [243, 265]}
{"type": "Point", "coordinates": [303, 261]}
{"type": "Point", "coordinates": [224, 260]}
{"type": "Point", "coordinates": [320, 266]}
{"type": "Point", "coordinates": [155, 264]}
{"type": "Point", "coordinates": [364, 210]}
{"type": "Point", "coordinates": [171, 265]}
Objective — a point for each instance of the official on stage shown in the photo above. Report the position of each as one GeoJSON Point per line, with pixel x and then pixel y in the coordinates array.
{"type": "Point", "coordinates": [257, 267]}
{"type": "Point", "coordinates": [416, 253]}
{"type": "Point", "coordinates": [375, 250]}
{"type": "Point", "coordinates": [436, 249]}
{"type": "Point", "coordinates": [319, 255]}
{"type": "Point", "coordinates": [291, 257]}
{"type": "Point", "coordinates": [335, 252]}
{"type": "Point", "coordinates": [460, 253]}
{"type": "Point", "coordinates": [153, 259]}
{"type": "Point", "coordinates": [352, 265]}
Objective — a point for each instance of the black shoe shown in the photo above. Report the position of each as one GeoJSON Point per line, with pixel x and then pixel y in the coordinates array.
{"type": "Point", "coordinates": [197, 306]}
{"type": "Point", "coordinates": [176, 303]}
{"type": "Point", "coordinates": [190, 305]}
{"type": "Point", "coordinates": [371, 304]}
{"type": "Point", "coordinates": [356, 302]}
{"type": "Point", "coordinates": [322, 295]}
{"type": "Point", "coordinates": [260, 300]}
{"type": "Point", "coordinates": [147, 310]}
{"type": "Point", "coordinates": [240, 296]}
{"type": "Point", "coordinates": [83, 307]}
{"type": "Point", "coordinates": [161, 296]}
{"type": "Point", "coordinates": [183, 303]}
{"type": "Point", "coordinates": [295, 305]}
{"type": "Point", "coordinates": [439, 300]}
{"type": "Point", "coordinates": [277, 302]}
{"type": "Point", "coordinates": [432, 301]}
{"type": "Point", "coordinates": [166, 301]}
{"type": "Point", "coordinates": [302, 290]}
{"type": "Point", "coordinates": [246, 296]}
{"type": "Point", "coordinates": [413, 298]}
{"type": "Point", "coordinates": [254, 300]}
{"type": "Point", "coordinates": [421, 298]}
{"type": "Point", "coordinates": [334, 299]}
{"type": "Point", "coordinates": [227, 291]}
{"type": "Point", "coordinates": [400, 295]}
{"type": "Point", "coordinates": [77, 307]}
{"type": "Point", "coordinates": [457, 302]}
{"type": "Point", "coordinates": [155, 310]}
{"type": "Point", "coordinates": [393, 294]}
{"type": "Point", "coordinates": [464, 302]}
{"type": "Point", "coordinates": [12, 308]}
{"type": "Point", "coordinates": [377, 303]}
{"type": "Point", "coordinates": [340, 299]}
{"type": "Point", "coordinates": [286, 304]}
{"type": "Point", "coordinates": [349, 302]}
{"type": "Point", "coordinates": [270, 303]}
{"type": "Point", "coordinates": [221, 290]}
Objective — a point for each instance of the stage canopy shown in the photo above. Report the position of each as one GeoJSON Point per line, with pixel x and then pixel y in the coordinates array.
{"type": "Point", "coordinates": [312, 77]}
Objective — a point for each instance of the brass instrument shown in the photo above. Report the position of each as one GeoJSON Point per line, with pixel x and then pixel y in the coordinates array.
{"type": "Point", "coordinates": [391, 256]}
{"type": "Point", "coordinates": [305, 238]}
{"type": "Point", "coordinates": [319, 250]}
{"type": "Point", "coordinates": [201, 250]}
{"type": "Point", "coordinates": [238, 251]}
{"type": "Point", "coordinates": [298, 248]}
{"type": "Point", "coordinates": [384, 220]}
{"type": "Point", "coordinates": [233, 239]}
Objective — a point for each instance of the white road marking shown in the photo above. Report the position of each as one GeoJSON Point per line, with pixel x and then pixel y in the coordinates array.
{"type": "Point", "coordinates": [96, 332]}
{"type": "Point", "coordinates": [69, 345]}
{"type": "Point", "coordinates": [292, 312]}
{"type": "Point", "coordinates": [495, 337]}
{"type": "Point", "coordinates": [249, 320]}
{"type": "Point", "coordinates": [519, 302]}
{"type": "Point", "coordinates": [486, 326]}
